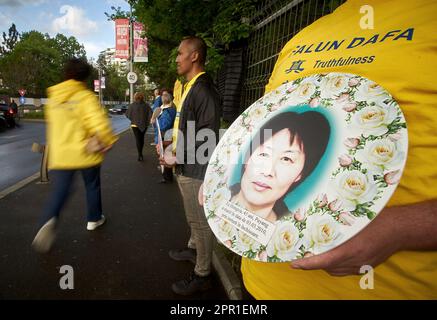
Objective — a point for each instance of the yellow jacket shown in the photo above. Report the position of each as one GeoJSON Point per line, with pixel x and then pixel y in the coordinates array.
{"type": "Point", "coordinates": [73, 115]}
{"type": "Point", "coordinates": [401, 57]}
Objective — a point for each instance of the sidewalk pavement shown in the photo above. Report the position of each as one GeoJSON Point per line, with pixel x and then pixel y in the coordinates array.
{"type": "Point", "coordinates": [127, 258]}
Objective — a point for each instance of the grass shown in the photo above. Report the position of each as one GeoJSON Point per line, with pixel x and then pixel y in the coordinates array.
{"type": "Point", "coordinates": [33, 115]}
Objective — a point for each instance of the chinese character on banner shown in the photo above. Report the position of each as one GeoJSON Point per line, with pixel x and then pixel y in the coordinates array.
{"type": "Point", "coordinates": [140, 43]}
{"type": "Point", "coordinates": [122, 38]}
{"type": "Point", "coordinates": [102, 80]}
{"type": "Point", "coordinates": [96, 85]}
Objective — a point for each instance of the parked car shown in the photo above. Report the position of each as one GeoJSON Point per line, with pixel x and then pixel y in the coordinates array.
{"type": "Point", "coordinates": [3, 124]}
{"type": "Point", "coordinates": [9, 115]}
{"type": "Point", "coordinates": [118, 109]}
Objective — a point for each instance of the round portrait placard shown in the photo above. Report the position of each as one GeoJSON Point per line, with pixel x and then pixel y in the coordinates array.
{"type": "Point", "coordinates": [305, 168]}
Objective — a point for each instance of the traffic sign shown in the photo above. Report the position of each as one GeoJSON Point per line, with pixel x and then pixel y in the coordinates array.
{"type": "Point", "coordinates": [132, 77]}
{"type": "Point", "coordinates": [22, 100]}
{"type": "Point", "coordinates": [22, 92]}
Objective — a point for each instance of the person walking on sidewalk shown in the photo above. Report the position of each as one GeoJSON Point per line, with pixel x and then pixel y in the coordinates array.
{"type": "Point", "coordinates": [78, 133]}
{"type": "Point", "coordinates": [139, 114]}
{"type": "Point", "coordinates": [201, 109]}
{"type": "Point", "coordinates": [157, 102]}
{"type": "Point", "coordinates": [166, 119]}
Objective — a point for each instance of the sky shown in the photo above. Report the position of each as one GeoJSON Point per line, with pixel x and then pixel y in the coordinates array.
{"type": "Point", "coordinates": [83, 19]}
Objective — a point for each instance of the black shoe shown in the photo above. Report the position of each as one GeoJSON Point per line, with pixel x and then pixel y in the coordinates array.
{"type": "Point", "coordinates": [186, 254]}
{"type": "Point", "coordinates": [140, 158]}
{"type": "Point", "coordinates": [192, 285]}
{"type": "Point", "coordinates": [165, 181]}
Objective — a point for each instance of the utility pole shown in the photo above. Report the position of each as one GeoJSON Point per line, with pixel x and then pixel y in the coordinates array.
{"type": "Point", "coordinates": [131, 50]}
{"type": "Point", "coordinates": [100, 85]}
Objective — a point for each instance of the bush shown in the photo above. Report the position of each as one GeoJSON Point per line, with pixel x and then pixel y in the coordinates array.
{"type": "Point", "coordinates": [37, 114]}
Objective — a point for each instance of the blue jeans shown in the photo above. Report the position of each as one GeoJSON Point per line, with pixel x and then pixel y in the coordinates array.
{"type": "Point", "coordinates": [61, 185]}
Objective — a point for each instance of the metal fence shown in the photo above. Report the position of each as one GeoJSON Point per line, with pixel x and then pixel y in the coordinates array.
{"type": "Point", "coordinates": [274, 23]}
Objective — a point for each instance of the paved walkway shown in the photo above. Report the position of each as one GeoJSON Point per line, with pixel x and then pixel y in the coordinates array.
{"type": "Point", "coordinates": [127, 258]}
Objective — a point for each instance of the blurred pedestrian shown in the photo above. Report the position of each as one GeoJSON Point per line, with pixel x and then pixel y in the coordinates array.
{"type": "Point", "coordinates": [78, 134]}
{"type": "Point", "coordinates": [166, 119]}
{"type": "Point", "coordinates": [139, 114]}
{"type": "Point", "coordinates": [14, 108]}
{"type": "Point", "coordinates": [156, 104]}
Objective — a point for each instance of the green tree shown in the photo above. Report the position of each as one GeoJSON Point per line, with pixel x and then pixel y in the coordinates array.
{"type": "Point", "coordinates": [68, 47]}
{"type": "Point", "coordinates": [167, 22]}
{"type": "Point", "coordinates": [220, 23]}
{"type": "Point", "coordinates": [232, 23]}
{"type": "Point", "coordinates": [35, 60]}
{"type": "Point", "coordinates": [115, 80]}
{"type": "Point", "coordinates": [9, 40]}
{"type": "Point", "coordinates": [116, 83]}
{"type": "Point", "coordinates": [33, 64]}
{"type": "Point", "coordinates": [117, 13]}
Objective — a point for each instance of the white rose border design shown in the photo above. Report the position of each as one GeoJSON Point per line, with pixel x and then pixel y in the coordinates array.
{"type": "Point", "coordinates": [368, 171]}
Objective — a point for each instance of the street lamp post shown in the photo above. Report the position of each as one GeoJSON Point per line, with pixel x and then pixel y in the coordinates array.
{"type": "Point", "coordinates": [100, 85]}
{"type": "Point", "coordinates": [101, 74]}
{"type": "Point", "coordinates": [131, 50]}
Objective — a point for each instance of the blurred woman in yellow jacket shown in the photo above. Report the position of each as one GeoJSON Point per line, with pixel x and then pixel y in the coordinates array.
{"type": "Point", "coordinates": [78, 135]}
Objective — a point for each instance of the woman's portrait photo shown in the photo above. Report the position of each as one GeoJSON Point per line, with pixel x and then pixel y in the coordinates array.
{"type": "Point", "coordinates": [305, 167]}
{"type": "Point", "coordinates": [281, 155]}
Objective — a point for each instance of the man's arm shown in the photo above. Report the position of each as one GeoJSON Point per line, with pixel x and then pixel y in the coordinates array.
{"type": "Point", "coordinates": [412, 227]}
{"type": "Point", "coordinates": [207, 109]}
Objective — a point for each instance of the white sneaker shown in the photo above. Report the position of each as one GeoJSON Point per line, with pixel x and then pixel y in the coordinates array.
{"type": "Point", "coordinates": [92, 225]}
{"type": "Point", "coordinates": [45, 237]}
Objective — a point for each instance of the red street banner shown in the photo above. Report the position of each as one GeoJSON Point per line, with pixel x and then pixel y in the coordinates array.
{"type": "Point", "coordinates": [96, 85]}
{"type": "Point", "coordinates": [140, 44]}
{"type": "Point", "coordinates": [122, 38]}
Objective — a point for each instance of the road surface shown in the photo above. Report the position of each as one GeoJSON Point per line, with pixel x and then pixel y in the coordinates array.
{"type": "Point", "coordinates": [17, 161]}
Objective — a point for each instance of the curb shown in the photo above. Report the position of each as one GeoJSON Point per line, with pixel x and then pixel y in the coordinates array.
{"type": "Point", "coordinates": [32, 120]}
{"type": "Point", "coordinates": [122, 131]}
{"type": "Point", "coordinates": [229, 279]}
{"type": "Point", "coordinates": [19, 185]}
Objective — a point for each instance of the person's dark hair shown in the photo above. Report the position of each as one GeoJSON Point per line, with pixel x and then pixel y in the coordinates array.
{"type": "Point", "coordinates": [312, 131]}
{"type": "Point", "coordinates": [198, 45]}
{"type": "Point", "coordinates": [138, 97]}
{"type": "Point", "coordinates": [77, 69]}
{"type": "Point", "coordinates": [167, 90]}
